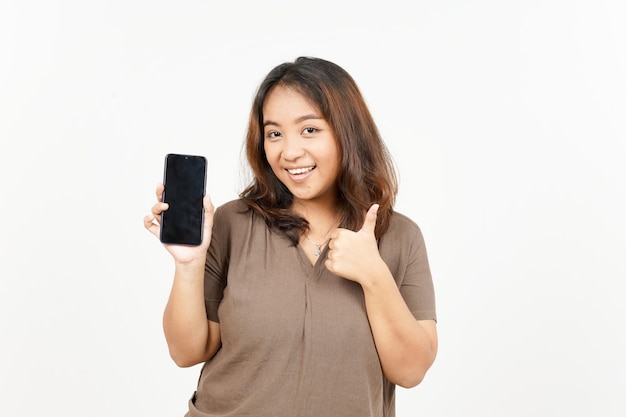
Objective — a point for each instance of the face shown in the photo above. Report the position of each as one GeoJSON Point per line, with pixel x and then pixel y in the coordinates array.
{"type": "Point", "coordinates": [300, 146]}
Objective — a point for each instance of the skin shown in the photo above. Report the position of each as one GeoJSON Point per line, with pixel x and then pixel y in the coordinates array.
{"type": "Point", "coordinates": [303, 153]}
{"type": "Point", "coordinates": [298, 139]}
{"type": "Point", "coordinates": [191, 338]}
{"type": "Point", "coordinates": [406, 347]}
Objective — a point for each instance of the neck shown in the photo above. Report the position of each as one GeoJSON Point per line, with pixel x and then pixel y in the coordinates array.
{"type": "Point", "coordinates": [315, 209]}
{"type": "Point", "coordinates": [322, 216]}
{"type": "Point", "coordinates": [320, 230]}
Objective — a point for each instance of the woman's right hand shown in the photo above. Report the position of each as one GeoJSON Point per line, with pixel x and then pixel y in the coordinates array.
{"type": "Point", "coordinates": [191, 337]}
{"type": "Point", "coordinates": [182, 254]}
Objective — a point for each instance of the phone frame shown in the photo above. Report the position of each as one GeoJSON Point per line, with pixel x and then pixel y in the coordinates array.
{"type": "Point", "coordinates": [182, 223]}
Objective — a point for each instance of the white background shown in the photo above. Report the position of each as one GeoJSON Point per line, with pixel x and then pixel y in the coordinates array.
{"type": "Point", "coordinates": [506, 120]}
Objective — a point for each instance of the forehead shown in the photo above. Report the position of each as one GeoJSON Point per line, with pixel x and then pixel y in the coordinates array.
{"type": "Point", "coordinates": [285, 102]}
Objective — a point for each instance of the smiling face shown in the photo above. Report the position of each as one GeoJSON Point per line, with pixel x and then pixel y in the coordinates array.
{"type": "Point", "coordinates": [300, 146]}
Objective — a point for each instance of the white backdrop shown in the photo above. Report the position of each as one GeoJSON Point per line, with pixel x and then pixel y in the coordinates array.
{"type": "Point", "coordinates": [506, 120]}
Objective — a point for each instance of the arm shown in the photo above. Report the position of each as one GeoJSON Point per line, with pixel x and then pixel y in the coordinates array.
{"type": "Point", "coordinates": [190, 336]}
{"type": "Point", "coordinates": [406, 347]}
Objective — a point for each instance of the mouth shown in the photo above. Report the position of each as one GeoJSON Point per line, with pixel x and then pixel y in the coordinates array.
{"type": "Point", "coordinates": [300, 171]}
{"type": "Point", "coordinates": [300, 174]}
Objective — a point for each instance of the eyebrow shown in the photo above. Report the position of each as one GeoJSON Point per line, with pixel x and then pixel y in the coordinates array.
{"type": "Point", "coordinates": [300, 119]}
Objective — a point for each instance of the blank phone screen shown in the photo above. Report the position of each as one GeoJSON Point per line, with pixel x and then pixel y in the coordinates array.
{"type": "Point", "coordinates": [184, 180]}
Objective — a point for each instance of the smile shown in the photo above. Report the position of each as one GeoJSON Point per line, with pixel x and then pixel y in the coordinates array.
{"type": "Point", "coordinates": [298, 171]}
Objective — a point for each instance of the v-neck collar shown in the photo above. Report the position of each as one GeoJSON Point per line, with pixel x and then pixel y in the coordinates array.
{"type": "Point", "coordinates": [307, 262]}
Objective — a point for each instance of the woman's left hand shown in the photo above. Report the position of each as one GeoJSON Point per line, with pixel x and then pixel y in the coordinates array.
{"type": "Point", "coordinates": [354, 255]}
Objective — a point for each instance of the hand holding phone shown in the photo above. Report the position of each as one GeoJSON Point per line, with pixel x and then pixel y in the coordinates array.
{"type": "Point", "coordinates": [184, 179]}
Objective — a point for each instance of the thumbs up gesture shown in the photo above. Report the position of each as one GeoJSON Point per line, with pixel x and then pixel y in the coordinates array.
{"type": "Point", "coordinates": [354, 255]}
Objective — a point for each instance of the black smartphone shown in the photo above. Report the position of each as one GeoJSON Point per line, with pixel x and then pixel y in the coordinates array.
{"type": "Point", "coordinates": [184, 179]}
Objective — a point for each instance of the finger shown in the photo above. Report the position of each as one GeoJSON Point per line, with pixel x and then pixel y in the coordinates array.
{"type": "Point", "coordinates": [150, 224]}
{"type": "Point", "coordinates": [369, 224]}
{"type": "Point", "coordinates": [148, 221]}
{"type": "Point", "coordinates": [207, 204]}
{"type": "Point", "coordinates": [159, 192]}
{"type": "Point", "coordinates": [328, 264]}
{"type": "Point", "coordinates": [332, 237]}
{"type": "Point", "coordinates": [159, 208]}
{"type": "Point", "coordinates": [335, 235]}
{"type": "Point", "coordinates": [209, 209]}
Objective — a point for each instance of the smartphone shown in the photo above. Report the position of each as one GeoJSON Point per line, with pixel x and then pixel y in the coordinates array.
{"type": "Point", "coordinates": [184, 179]}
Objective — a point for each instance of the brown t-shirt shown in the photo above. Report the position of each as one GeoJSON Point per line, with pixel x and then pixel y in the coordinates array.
{"type": "Point", "coordinates": [296, 340]}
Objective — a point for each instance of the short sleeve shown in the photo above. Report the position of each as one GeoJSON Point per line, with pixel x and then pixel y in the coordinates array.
{"type": "Point", "coordinates": [404, 250]}
{"type": "Point", "coordinates": [216, 266]}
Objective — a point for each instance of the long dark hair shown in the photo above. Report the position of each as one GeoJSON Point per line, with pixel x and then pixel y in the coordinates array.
{"type": "Point", "coordinates": [367, 173]}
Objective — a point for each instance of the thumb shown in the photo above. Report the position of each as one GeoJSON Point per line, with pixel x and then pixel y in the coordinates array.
{"type": "Point", "coordinates": [369, 225]}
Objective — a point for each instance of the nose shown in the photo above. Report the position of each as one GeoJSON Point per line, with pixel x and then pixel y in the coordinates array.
{"type": "Point", "coordinates": [292, 148]}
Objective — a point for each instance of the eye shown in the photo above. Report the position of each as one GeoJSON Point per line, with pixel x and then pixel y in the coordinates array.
{"type": "Point", "coordinates": [272, 135]}
{"type": "Point", "coordinates": [309, 130]}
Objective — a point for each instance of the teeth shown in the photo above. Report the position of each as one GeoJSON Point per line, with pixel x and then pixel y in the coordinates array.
{"type": "Point", "coordinates": [299, 170]}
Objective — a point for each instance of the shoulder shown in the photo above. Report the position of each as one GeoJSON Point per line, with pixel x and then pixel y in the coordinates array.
{"type": "Point", "coordinates": [232, 208]}
{"type": "Point", "coordinates": [230, 214]}
{"type": "Point", "coordinates": [236, 216]}
{"type": "Point", "coordinates": [402, 240]}
{"type": "Point", "coordinates": [402, 227]}
{"type": "Point", "coordinates": [230, 222]}
{"type": "Point", "coordinates": [403, 249]}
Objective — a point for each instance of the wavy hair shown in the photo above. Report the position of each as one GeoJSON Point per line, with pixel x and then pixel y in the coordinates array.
{"type": "Point", "coordinates": [367, 174]}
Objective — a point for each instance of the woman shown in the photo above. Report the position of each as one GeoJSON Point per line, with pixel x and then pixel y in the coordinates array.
{"type": "Point", "coordinates": [309, 295]}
